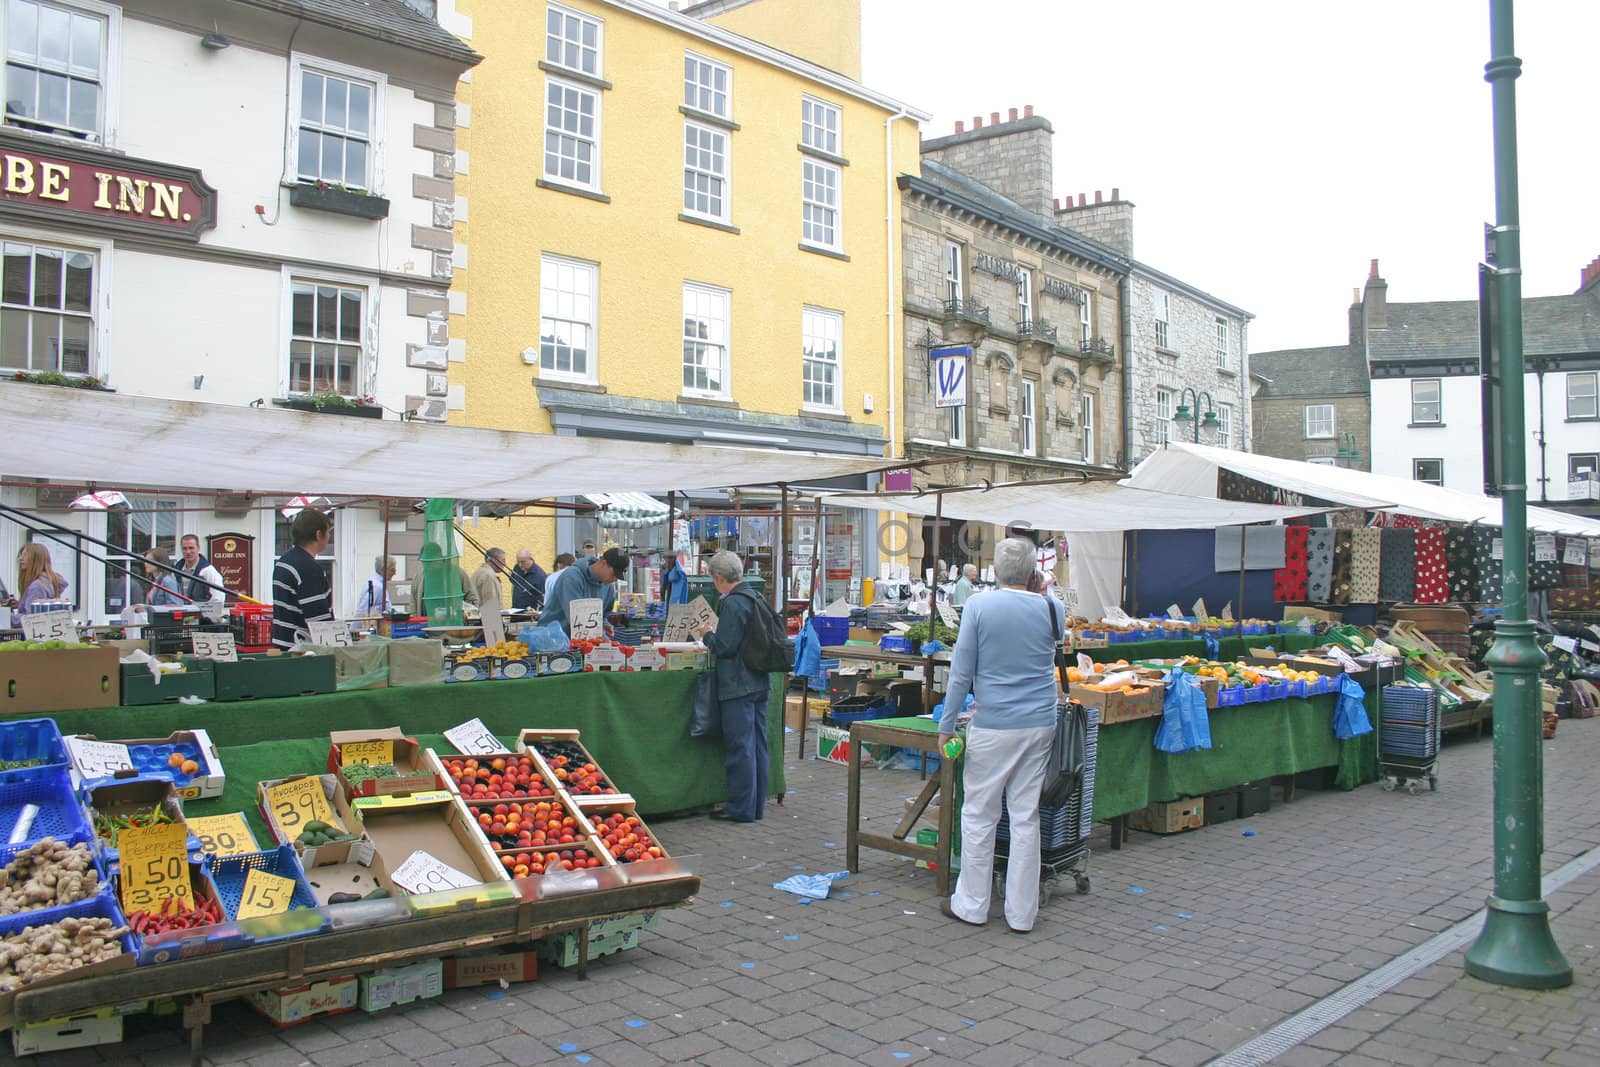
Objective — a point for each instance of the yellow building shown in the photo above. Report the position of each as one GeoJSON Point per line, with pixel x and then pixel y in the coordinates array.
{"type": "Point", "coordinates": [669, 231]}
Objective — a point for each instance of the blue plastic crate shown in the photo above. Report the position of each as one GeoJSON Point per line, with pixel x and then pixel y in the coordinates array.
{"type": "Point", "coordinates": [303, 917]}
{"type": "Point", "coordinates": [60, 816]}
{"type": "Point", "coordinates": [1230, 697]}
{"type": "Point", "coordinates": [1300, 689]}
{"type": "Point", "coordinates": [894, 643]}
{"type": "Point", "coordinates": [31, 739]}
{"type": "Point", "coordinates": [830, 631]}
{"type": "Point", "coordinates": [102, 906]}
{"type": "Point", "coordinates": [103, 887]}
{"type": "Point", "coordinates": [201, 941]}
{"type": "Point", "coordinates": [1275, 690]}
{"type": "Point", "coordinates": [151, 761]}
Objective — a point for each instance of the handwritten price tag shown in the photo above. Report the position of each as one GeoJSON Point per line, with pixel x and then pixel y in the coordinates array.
{"type": "Point", "coordinates": [49, 626]}
{"type": "Point", "coordinates": [473, 738]}
{"type": "Point", "coordinates": [215, 646]}
{"type": "Point", "coordinates": [99, 759]}
{"type": "Point", "coordinates": [293, 804]}
{"type": "Point", "coordinates": [329, 633]}
{"type": "Point", "coordinates": [1576, 552]}
{"type": "Point", "coordinates": [586, 618]}
{"type": "Point", "coordinates": [701, 614]}
{"type": "Point", "coordinates": [264, 894]}
{"type": "Point", "coordinates": [366, 752]}
{"type": "Point", "coordinates": [155, 867]}
{"type": "Point", "coordinates": [224, 835]}
{"type": "Point", "coordinates": [423, 873]}
{"type": "Point", "coordinates": [947, 615]}
{"type": "Point", "coordinates": [1544, 548]}
{"type": "Point", "coordinates": [677, 628]}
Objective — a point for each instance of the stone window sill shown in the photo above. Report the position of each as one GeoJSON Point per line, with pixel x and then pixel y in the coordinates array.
{"type": "Point", "coordinates": [573, 190]}
{"type": "Point", "coordinates": [574, 75]}
{"type": "Point", "coordinates": [820, 251]}
{"type": "Point", "coordinates": [1425, 425]}
{"type": "Point", "coordinates": [712, 224]}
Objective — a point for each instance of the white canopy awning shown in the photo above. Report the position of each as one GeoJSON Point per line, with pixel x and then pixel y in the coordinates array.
{"type": "Point", "coordinates": [627, 510]}
{"type": "Point", "coordinates": [1191, 470]}
{"type": "Point", "coordinates": [81, 436]}
{"type": "Point", "coordinates": [1088, 508]}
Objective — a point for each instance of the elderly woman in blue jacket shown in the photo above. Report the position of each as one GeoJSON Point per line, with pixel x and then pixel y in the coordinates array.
{"type": "Point", "coordinates": [741, 691]}
{"type": "Point", "coordinates": [1004, 657]}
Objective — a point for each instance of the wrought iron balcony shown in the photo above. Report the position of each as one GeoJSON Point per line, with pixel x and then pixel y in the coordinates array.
{"type": "Point", "coordinates": [969, 310]}
{"type": "Point", "coordinates": [1097, 348]}
{"type": "Point", "coordinates": [1037, 329]}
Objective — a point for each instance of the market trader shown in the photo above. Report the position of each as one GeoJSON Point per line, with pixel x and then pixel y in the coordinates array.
{"type": "Point", "coordinates": [741, 691]}
{"type": "Point", "coordinates": [300, 593]}
{"type": "Point", "coordinates": [1005, 657]}
{"type": "Point", "coordinates": [586, 579]}
{"type": "Point", "coordinates": [527, 582]}
{"type": "Point", "coordinates": [374, 598]}
{"type": "Point", "coordinates": [195, 566]}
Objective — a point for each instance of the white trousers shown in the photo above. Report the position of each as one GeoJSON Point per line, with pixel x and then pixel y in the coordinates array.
{"type": "Point", "coordinates": [1008, 763]}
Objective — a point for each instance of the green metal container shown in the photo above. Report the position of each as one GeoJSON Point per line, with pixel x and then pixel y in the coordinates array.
{"type": "Point", "coordinates": [264, 677]}
{"type": "Point", "coordinates": [139, 688]}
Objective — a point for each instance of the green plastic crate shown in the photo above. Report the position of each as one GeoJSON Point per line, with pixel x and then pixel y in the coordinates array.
{"type": "Point", "coordinates": [605, 937]}
{"type": "Point", "coordinates": [262, 677]}
{"type": "Point", "coordinates": [198, 679]}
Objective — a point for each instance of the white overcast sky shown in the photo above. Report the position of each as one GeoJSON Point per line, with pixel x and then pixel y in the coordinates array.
{"type": "Point", "coordinates": [1274, 147]}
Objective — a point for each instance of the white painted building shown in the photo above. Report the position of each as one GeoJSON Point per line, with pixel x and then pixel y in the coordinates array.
{"type": "Point", "coordinates": [1426, 397]}
{"type": "Point", "coordinates": [230, 202]}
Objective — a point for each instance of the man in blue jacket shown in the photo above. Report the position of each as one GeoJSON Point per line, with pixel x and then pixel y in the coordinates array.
{"type": "Point", "coordinates": [586, 579]}
{"type": "Point", "coordinates": [741, 691]}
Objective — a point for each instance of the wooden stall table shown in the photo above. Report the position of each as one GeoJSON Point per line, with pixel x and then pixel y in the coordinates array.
{"type": "Point", "coordinates": [919, 735]}
{"type": "Point", "coordinates": [869, 654]}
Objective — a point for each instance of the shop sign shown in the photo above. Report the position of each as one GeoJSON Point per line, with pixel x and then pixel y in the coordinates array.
{"type": "Point", "coordinates": [234, 557]}
{"type": "Point", "coordinates": [1065, 290]}
{"type": "Point", "coordinates": [950, 374]}
{"type": "Point", "coordinates": [1000, 268]}
{"type": "Point", "coordinates": [49, 182]}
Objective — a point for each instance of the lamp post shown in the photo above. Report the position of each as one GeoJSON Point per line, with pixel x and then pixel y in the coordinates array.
{"type": "Point", "coordinates": [1348, 455]}
{"type": "Point", "coordinates": [1516, 947]}
{"type": "Point", "coordinates": [1187, 414]}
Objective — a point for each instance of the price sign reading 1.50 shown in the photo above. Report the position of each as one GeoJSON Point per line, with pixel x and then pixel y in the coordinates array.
{"type": "Point", "coordinates": [294, 803]}
{"type": "Point", "coordinates": [155, 867]}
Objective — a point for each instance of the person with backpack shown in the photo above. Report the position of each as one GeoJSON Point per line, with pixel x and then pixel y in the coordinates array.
{"type": "Point", "coordinates": [749, 644]}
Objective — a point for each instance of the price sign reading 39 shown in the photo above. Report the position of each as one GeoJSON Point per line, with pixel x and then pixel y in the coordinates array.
{"type": "Point", "coordinates": [293, 804]}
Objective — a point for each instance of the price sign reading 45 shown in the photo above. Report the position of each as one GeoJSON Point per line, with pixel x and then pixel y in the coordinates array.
{"type": "Point", "coordinates": [51, 626]}
{"type": "Point", "coordinates": [215, 646]}
{"type": "Point", "coordinates": [155, 867]}
{"type": "Point", "coordinates": [586, 618]}
{"type": "Point", "coordinates": [264, 894]}
{"type": "Point", "coordinates": [293, 804]}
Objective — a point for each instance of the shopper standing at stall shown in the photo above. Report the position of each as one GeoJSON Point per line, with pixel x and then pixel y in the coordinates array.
{"type": "Point", "coordinates": [161, 588]}
{"type": "Point", "coordinates": [963, 587]}
{"type": "Point", "coordinates": [1004, 657]}
{"type": "Point", "coordinates": [563, 561]}
{"type": "Point", "coordinates": [201, 581]}
{"type": "Point", "coordinates": [527, 582]}
{"type": "Point", "coordinates": [300, 593]}
{"type": "Point", "coordinates": [374, 598]}
{"type": "Point", "coordinates": [486, 582]}
{"type": "Point", "coordinates": [35, 577]}
{"type": "Point", "coordinates": [741, 691]}
{"type": "Point", "coordinates": [586, 579]}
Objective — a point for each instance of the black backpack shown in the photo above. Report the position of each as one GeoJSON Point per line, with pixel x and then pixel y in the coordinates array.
{"type": "Point", "coordinates": [766, 648]}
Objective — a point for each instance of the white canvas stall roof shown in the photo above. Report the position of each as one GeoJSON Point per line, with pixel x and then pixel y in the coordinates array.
{"type": "Point", "coordinates": [1192, 470]}
{"type": "Point", "coordinates": [81, 436]}
{"type": "Point", "coordinates": [630, 510]}
{"type": "Point", "coordinates": [1092, 507]}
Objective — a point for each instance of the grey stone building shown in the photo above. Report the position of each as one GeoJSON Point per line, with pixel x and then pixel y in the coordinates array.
{"type": "Point", "coordinates": [1312, 404]}
{"type": "Point", "coordinates": [1186, 352]}
{"type": "Point", "coordinates": [986, 265]}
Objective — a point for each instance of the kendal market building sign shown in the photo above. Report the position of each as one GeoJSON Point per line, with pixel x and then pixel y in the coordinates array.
{"type": "Point", "coordinates": [52, 182]}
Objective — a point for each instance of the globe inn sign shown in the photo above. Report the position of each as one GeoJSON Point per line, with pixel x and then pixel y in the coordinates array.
{"type": "Point", "coordinates": [115, 192]}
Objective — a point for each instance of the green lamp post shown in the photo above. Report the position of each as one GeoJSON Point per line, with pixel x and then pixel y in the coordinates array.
{"type": "Point", "coordinates": [1187, 414]}
{"type": "Point", "coordinates": [1516, 947]}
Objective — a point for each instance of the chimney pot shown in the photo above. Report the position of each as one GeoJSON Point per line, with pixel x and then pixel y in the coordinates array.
{"type": "Point", "coordinates": [1027, 111]}
{"type": "Point", "coordinates": [1057, 202]}
{"type": "Point", "coordinates": [1374, 272]}
{"type": "Point", "coordinates": [977, 122]}
{"type": "Point", "coordinates": [1082, 199]}
{"type": "Point", "coordinates": [1097, 196]}
{"type": "Point", "coordinates": [1116, 194]}
{"type": "Point", "coordinates": [994, 118]}
{"type": "Point", "coordinates": [1011, 116]}
{"type": "Point", "coordinates": [960, 126]}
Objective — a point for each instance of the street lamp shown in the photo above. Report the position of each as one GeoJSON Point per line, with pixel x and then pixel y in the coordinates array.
{"type": "Point", "coordinates": [1348, 455]}
{"type": "Point", "coordinates": [1187, 414]}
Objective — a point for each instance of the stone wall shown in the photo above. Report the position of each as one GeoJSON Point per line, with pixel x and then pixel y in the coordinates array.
{"type": "Point", "coordinates": [1280, 427]}
{"type": "Point", "coordinates": [1108, 221]}
{"type": "Point", "coordinates": [1012, 158]}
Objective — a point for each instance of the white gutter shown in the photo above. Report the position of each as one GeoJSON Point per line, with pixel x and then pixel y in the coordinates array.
{"type": "Point", "coordinates": [891, 307]}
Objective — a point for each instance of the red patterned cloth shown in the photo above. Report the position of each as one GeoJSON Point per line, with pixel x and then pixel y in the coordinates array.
{"type": "Point", "coordinates": [1290, 582]}
{"type": "Point", "coordinates": [1433, 578]}
{"type": "Point", "coordinates": [1405, 522]}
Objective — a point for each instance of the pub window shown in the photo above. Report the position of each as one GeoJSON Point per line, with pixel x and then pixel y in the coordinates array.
{"type": "Point", "coordinates": [57, 54]}
{"type": "Point", "coordinates": [327, 338]}
{"type": "Point", "coordinates": [47, 300]}
{"type": "Point", "coordinates": [337, 116]}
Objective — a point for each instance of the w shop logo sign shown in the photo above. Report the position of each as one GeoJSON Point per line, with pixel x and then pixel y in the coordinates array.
{"type": "Point", "coordinates": [950, 375]}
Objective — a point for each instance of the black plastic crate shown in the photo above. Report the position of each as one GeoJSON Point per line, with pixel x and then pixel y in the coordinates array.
{"type": "Point", "coordinates": [1319, 778]}
{"type": "Point", "coordinates": [1222, 806]}
{"type": "Point", "coordinates": [1254, 798]}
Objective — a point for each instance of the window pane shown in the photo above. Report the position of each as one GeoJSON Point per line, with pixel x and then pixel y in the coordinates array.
{"type": "Point", "coordinates": [18, 274]}
{"type": "Point", "coordinates": [83, 109]}
{"type": "Point", "coordinates": [355, 163]}
{"type": "Point", "coordinates": [74, 345]}
{"type": "Point", "coordinates": [46, 278]}
{"type": "Point", "coordinates": [310, 96]}
{"type": "Point", "coordinates": [349, 315]}
{"type": "Point", "coordinates": [300, 367]}
{"type": "Point", "coordinates": [22, 28]}
{"type": "Point", "coordinates": [310, 142]}
{"type": "Point", "coordinates": [13, 339]}
{"type": "Point", "coordinates": [359, 119]}
{"type": "Point", "coordinates": [332, 158]}
{"type": "Point", "coordinates": [333, 113]}
{"type": "Point", "coordinates": [349, 359]}
{"type": "Point", "coordinates": [302, 311]}
{"type": "Point", "coordinates": [85, 45]}
{"type": "Point", "coordinates": [327, 309]}
{"type": "Point", "coordinates": [80, 281]}
{"type": "Point", "coordinates": [45, 341]}
{"type": "Point", "coordinates": [54, 33]}
{"type": "Point", "coordinates": [53, 98]}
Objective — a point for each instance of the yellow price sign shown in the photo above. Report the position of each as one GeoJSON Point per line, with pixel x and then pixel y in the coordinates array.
{"type": "Point", "coordinates": [366, 752]}
{"type": "Point", "coordinates": [293, 804]}
{"type": "Point", "coordinates": [224, 835]}
{"type": "Point", "coordinates": [264, 894]}
{"type": "Point", "coordinates": [155, 867]}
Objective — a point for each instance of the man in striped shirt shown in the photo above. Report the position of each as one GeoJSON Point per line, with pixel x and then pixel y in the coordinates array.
{"type": "Point", "coordinates": [300, 593]}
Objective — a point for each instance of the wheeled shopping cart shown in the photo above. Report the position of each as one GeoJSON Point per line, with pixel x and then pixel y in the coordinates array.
{"type": "Point", "coordinates": [1063, 829]}
{"type": "Point", "coordinates": [1408, 737]}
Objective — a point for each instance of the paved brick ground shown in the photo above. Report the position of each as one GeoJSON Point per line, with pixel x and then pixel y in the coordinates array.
{"type": "Point", "coordinates": [1186, 947]}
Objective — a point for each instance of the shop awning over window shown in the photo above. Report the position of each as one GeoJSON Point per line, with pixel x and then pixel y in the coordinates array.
{"type": "Point", "coordinates": [627, 511]}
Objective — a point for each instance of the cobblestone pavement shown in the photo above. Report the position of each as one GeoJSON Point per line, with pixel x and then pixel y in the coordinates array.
{"type": "Point", "coordinates": [1186, 947]}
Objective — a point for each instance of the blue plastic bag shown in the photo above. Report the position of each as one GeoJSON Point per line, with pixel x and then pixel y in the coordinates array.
{"type": "Point", "coordinates": [807, 653]}
{"type": "Point", "coordinates": [548, 637]}
{"type": "Point", "coordinates": [1184, 722]}
{"type": "Point", "coordinates": [1350, 713]}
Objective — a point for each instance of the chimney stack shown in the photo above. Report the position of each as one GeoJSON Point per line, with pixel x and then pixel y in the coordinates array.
{"type": "Point", "coordinates": [1056, 203]}
{"type": "Point", "coordinates": [1116, 194]}
{"type": "Point", "coordinates": [1011, 116]}
{"type": "Point", "coordinates": [977, 122]}
{"type": "Point", "coordinates": [1082, 199]}
{"type": "Point", "coordinates": [1097, 196]}
{"type": "Point", "coordinates": [1375, 301]}
{"type": "Point", "coordinates": [994, 118]}
{"type": "Point", "coordinates": [1374, 272]}
{"type": "Point", "coordinates": [1589, 274]}
{"type": "Point", "coordinates": [1027, 111]}
{"type": "Point", "coordinates": [960, 126]}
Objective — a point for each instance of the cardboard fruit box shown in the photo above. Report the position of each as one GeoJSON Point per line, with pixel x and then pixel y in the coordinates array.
{"type": "Point", "coordinates": [1170, 817]}
{"type": "Point", "coordinates": [438, 824]}
{"type": "Point", "coordinates": [114, 798]}
{"type": "Point", "coordinates": [63, 679]}
{"type": "Point", "coordinates": [414, 775]}
{"type": "Point", "coordinates": [292, 1005]}
{"type": "Point", "coordinates": [287, 823]}
{"type": "Point", "coordinates": [1120, 706]}
{"type": "Point", "coordinates": [463, 972]}
{"type": "Point", "coordinates": [146, 755]}
{"type": "Point", "coordinates": [563, 756]}
{"type": "Point", "coordinates": [600, 817]}
{"type": "Point", "coordinates": [541, 785]}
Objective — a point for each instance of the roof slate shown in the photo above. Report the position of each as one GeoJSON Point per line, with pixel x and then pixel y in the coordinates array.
{"type": "Point", "coordinates": [1448, 329]}
{"type": "Point", "coordinates": [385, 20]}
{"type": "Point", "coordinates": [1336, 370]}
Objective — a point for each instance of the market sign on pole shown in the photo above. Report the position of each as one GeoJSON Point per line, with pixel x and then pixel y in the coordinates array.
{"type": "Point", "coordinates": [949, 364]}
